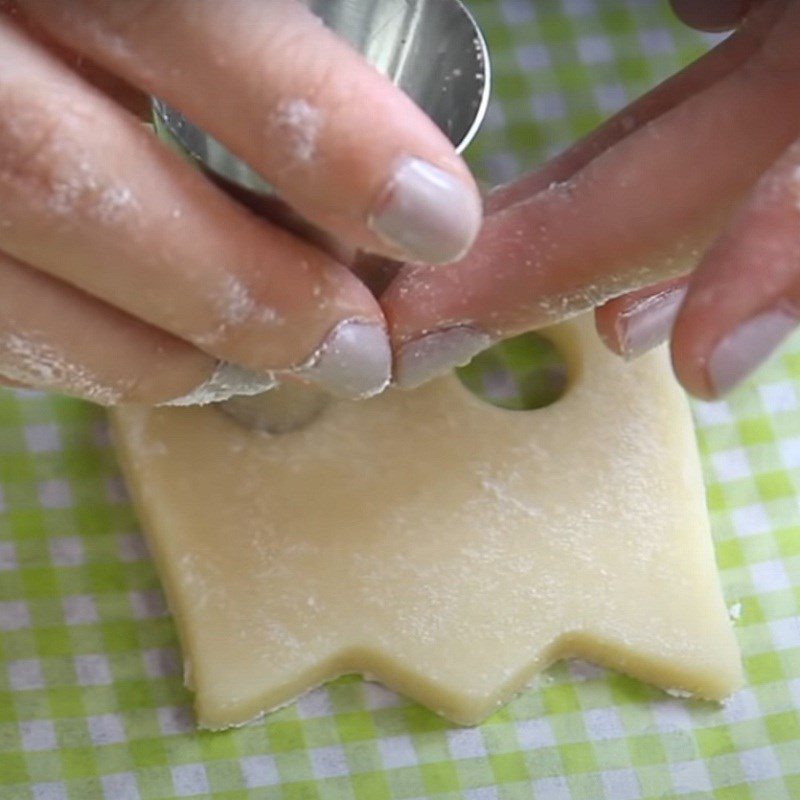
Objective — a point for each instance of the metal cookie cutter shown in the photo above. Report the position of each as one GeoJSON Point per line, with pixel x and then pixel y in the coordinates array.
{"type": "Point", "coordinates": [431, 49]}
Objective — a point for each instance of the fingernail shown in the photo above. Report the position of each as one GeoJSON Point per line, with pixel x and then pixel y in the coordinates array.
{"type": "Point", "coordinates": [355, 361]}
{"type": "Point", "coordinates": [226, 381]}
{"type": "Point", "coordinates": [436, 353]}
{"type": "Point", "coordinates": [739, 353]}
{"type": "Point", "coordinates": [648, 323]}
{"type": "Point", "coordinates": [429, 214]}
{"type": "Point", "coordinates": [712, 15]}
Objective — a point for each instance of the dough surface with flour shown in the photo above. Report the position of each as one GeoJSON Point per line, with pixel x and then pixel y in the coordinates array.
{"type": "Point", "coordinates": [447, 548]}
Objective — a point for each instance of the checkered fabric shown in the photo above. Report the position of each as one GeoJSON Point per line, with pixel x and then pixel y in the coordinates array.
{"type": "Point", "coordinates": [91, 697]}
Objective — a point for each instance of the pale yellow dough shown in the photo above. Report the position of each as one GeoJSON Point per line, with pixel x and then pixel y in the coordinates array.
{"type": "Point", "coordinates": [447, 548]}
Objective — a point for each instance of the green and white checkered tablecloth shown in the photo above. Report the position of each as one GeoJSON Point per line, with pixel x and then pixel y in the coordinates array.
{"type": "Point", "coordinates": [91, 697]}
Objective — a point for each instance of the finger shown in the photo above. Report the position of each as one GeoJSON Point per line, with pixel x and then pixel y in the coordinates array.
{"type": "Point", "coordinates": [636, 322]}
{"type": "Point", "coordinates": [715, 65]}
{"type": "Point", "coordinates": [338, 141]}
{"type": "Point", "coordinates": [57, 338]}
{"type": "Point", "coordinates": [120, 91]}
{"type": "Point", "coordinates": [6, 383]}
{"type": "Point", "coordinates": [745, 297]}
{"type": "Point", "coordinates": [711, 15]}
{"type": "Point", "coordinates": [641, 212]}
{"type": "Point", "coordinates": [134, 100]}
{"type": "Point", "coordinates": [89, 196]}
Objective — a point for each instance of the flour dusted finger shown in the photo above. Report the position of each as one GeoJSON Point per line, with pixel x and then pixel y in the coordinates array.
{"type": "Point", "coordinates": [57, 338]}
{"type": "Point", "coordinates": [715, 65]}
{"type": "Point", "coordinates": [639, 213]}
{"type": "Point", "coordinates": [339, 141]}
{"type": "Point", "coordinates": [7, 383]}
{"type": "Point", "coordinates": [744, 299]}
{"type": "Point", "coordinates": [89, 196]}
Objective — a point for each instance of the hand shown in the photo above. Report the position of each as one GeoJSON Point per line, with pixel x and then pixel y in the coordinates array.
{"type": "Point", "coordinates": [126, 276]}
{"type": "Point", "coordinates": [701, 175]}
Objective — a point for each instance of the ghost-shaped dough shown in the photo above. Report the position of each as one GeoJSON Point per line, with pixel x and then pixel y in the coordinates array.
{"type": "Point", "coordinates": [448, 548]}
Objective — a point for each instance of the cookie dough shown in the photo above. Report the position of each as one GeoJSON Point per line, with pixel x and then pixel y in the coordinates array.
{"type": "Point", "coordinates": [445, 547]}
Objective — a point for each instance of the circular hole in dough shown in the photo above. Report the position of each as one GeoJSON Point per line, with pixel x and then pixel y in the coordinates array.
{"type": "Point", "coordinates": [519, 374]}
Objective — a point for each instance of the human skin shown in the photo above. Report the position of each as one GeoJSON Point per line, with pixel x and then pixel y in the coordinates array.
{"type": "Point", "coordinates": [676, 217]}
{"type": "Point", "coordinates": [106, 227]}
{"type": "Point", "coordinates": [684, 208]}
